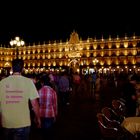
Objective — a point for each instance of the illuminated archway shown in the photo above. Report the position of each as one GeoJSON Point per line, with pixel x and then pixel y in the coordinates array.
{"type": "Point", "coordinates": [74, 65]}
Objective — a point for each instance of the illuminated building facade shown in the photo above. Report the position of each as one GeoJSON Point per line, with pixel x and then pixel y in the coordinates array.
{"type": "Point", "coordinates": [103, 55]}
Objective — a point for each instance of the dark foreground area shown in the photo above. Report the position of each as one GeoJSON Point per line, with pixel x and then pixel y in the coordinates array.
{"type": "Point", "coordinates": [76, 121]}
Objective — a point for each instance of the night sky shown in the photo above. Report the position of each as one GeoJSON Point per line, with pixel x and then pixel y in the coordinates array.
{"type": "Point", "coordinates": [52, 20]}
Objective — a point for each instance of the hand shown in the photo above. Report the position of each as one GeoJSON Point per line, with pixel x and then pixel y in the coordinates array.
{"type": "Point", "coordinates": [37, 122]}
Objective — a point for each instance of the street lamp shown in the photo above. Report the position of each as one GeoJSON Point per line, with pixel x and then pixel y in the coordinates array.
{"type": "Point", "coordinates": [17, 42]}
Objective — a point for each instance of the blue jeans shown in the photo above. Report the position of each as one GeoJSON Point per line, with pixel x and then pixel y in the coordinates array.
{"type": "Point", "coordinates": [47, 123]}
{"type": "Point", "coordinates": [16, 133]}
{"type": "Point", "coordinates": [47, 128]}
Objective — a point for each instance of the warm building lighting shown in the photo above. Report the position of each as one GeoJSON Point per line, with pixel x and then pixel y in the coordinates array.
{"type": "Point", "coordinates": [109, 37]}
{"type": "Point", "coordinates": [95, 61]}
{"type": "Point", "coordinates": [117, 37]}
{"type": "Point", "coordinates": [95, 46]}
{"type": "Point", "coordinates": [109, 45]}
{"type": "Point", "coordinates": [115, 53]}
{"type": "Point", "coordinates": [125, 44]}
{"type": "Point", "coordinates": [118, 45]}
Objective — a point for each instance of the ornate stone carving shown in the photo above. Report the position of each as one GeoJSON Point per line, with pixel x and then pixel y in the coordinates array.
{"type": "Point", "coordinates": [74, 38]}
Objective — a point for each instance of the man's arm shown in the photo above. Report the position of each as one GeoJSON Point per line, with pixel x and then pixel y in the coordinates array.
{"type": "Point", "coordinates": [35, 106]}
{"type": "Point", "coordinates": [55, 103]}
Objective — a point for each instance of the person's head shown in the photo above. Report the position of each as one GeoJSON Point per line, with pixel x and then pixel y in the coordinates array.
{"type": "Point", "coordinates": [64, 73]}
{"type": "Point", "coordinates": [45, 80]}
{"type": "Point", "coordinates": [17, 65]}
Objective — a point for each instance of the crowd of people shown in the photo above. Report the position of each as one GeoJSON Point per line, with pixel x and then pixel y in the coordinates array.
{"type": "Point", "coordinates": [27, 99]}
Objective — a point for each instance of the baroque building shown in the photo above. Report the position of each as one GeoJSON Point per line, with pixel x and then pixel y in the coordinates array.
{"type": "Point", "coordinates": [102, 55]}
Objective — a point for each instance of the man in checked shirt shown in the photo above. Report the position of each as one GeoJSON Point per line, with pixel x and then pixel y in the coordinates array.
{"type": "Point", "coordinates": [48, 107]}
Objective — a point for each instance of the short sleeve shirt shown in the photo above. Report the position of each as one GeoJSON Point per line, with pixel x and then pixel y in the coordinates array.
{"type": "Point", "coordinates": [15, 93]}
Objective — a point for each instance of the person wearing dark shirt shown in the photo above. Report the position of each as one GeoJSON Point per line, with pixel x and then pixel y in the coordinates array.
{"type": "Point", "coordinates": [129, 95]}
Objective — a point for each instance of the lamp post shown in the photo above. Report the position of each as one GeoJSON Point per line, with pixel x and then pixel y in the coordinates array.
{"type": "Point", "coordinates": [17, 42]}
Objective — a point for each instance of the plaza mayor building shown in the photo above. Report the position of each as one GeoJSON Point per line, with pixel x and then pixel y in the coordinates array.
{"type": "Point", "coordinates": [104, 55]}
